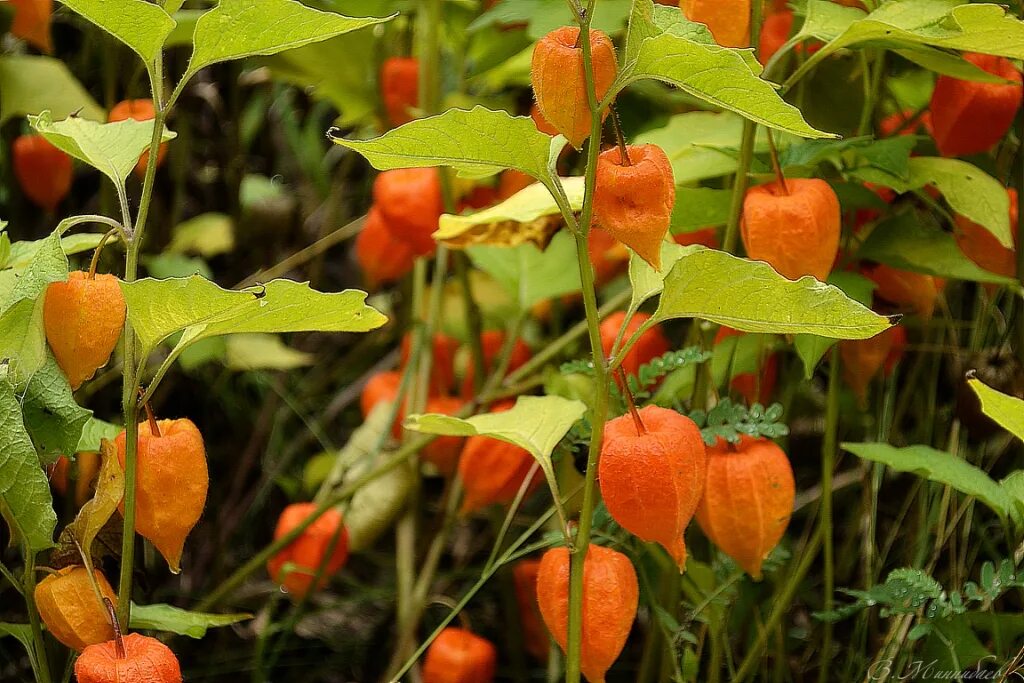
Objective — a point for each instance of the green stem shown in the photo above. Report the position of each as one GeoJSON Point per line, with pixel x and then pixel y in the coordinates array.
{"type": "Point", "coordinates": [828, 464]}
{"type": "Point", "coordinates": [739, 186]}
{"type": "Point", "coordinates": [40, 660]}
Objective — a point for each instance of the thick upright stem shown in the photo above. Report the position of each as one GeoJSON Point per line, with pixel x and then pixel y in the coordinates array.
{"type": "Point", "coordinates": [41, 661]}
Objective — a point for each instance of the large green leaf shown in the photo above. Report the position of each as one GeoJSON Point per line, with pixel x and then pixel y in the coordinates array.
{"type": "Point", "coordinates": [529, 274]}
{"type": "Point", "coordinates": [944, 24]}
{"type": "Point", "coordinates": [160, 308]}
{"type": "Point", "coordinates": [94, 431]}
{"type": "Point", "coordinates": [24, 490]}
{"type": "Point", "coordinates": [717, 75]}
{"type": "Point", "coordinates": [1007, 411]}
{"type": "Point", "coordinates": [648, 20]}
{"type": "Point", "coordinates": [970, 192]}
{"type": "Point", "coordinates": [476, 142]}
{"type": "Point", "coordinates": [142, 26]}
{"type": "Point", "coordinates": [22, 340]}
{"type": "Point", "coordinates": [812, 348]}
{"type": "Point", "coordinates": [243, 28]}
{"type": "Point", "coordinates": [937, 466]}
{"type": "Point", "coordinates": [536, 423]}
{"type": "Point", "coordinates": [52, 418]}
{"type": "Point", "coordinates": [751, 297]}
{"type": "Point", "coordinates": [31, 85]}
{"type": "Point", "coordinates": [111, 148]}
{"type": "Point", "coordinates": [37, 266]}
{"type": "Point", "coordinates": [906, 242]}
{"type": "Point", "coordinates": [510, 221]}
{"type": "Point", "coordinates": [171, 619]}
{"type": "Point", "coordinates": [700, 207]}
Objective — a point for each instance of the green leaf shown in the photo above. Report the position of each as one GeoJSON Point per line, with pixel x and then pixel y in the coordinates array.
{"type": "Point", "coordinates": [905, 241]}
{"type": "Point", "coordinates": [982, 28]}
{"type": "Point", "coordinates": [970, 192]}
{"type": "Point", "coordinates": [522, 218]}
{"type": "Point", "coordinates": [47, 263]}
{"type": "Point", "coordinates": [208, 235]}
{"type": "Point", "coordinates": [22, 253]}
{"type": "Point", "coordinates": [159, 308]}
{"type": "Point", "coordinates": [751, 297]}
{"type": "Point", "coordinates": [22, 340]}
{"type": "Point", "coordinates": [1007, 411]}
{"type": "Point", "coordinates": [529, 274]}
{"type": "Point", "coordinates": [811, 348]}
{"type": "Point", "coordinates": [243, 28]}
{"type": "Point", "coordinates": [31, 85]}
{"type": "Point", "coordinates": [52, 418]}
{"type": "Point", "coordinates": [97, 511]}
{"type": "Point", "coordinates": [111, 148]}
{"type": "Point", "coordinates": [182, 622]}
{"type": "Point", "coordinates": [648, 20]}
{"type": "Point", "coordinates": [264, 352]}
{"type": "Point", "coordinates": [952, 645]}
{"type": "Point", "coordinates": [717, 75]}
{"type": "Point", "coordinates": [24, 489]}
{"type": "Point", "coordinates": [536, 423]}
{"type": "Point", "coordinates": [93, 432]}
{"type": "Point", "coordinates": [699, 207]}
{"type": "Point", "coordinates": [142, 26]}
{"type": "Point", "coordinates": [476, 142]}
{"type": "Point", "coordinates": [1013, 484]}
{"type": "Point", "coordinates": [22, 632]}
{"type": "Point", "coordinates": [937, 466]}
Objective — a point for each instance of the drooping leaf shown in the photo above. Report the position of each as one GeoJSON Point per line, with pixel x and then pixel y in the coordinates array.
{"type": "Point", "coordinates": [111, 148]}
{"type": "Point", "coordinates": [52, 417]}
{"type": "Point", "coordinates": [938, 466]}
{"type": "Point", "coordinates": [717, 75]}
{"type": "Point", "coordinates": [751, 297]}
{"type": "Point", "coordinates": [170, 619]}
{"type": "Point", "coordinates": [243, 28]}
{"type": "Point", "coordinates": [1007, 411]}
{"type": "Point", "coordinates": [529, 216]}
{"type": "Point", "coordinates": [98, 509]}
{"type": "Point", "coordinates": [32, 85]}
{"type": "Point", "coordinates": [536, 423]}
{"type": "Point", "coordinates": [905, 241]}
{"type": "Point", "coordinates": [24, 489]}
{"type": "Point", "coordinates": [142, 26]}
{"type": "Point", "coordinates": [159, 308]}
{"type": "Point", "coordinates": [477, 142]}
{"type": "Point", "coordinates": [529, 274]}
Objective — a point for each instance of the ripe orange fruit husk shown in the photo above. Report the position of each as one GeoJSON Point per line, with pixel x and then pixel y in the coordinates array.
{"type": "Point", "coordinates": [442, 368]}
{"type": "Point", "coordinates": [146, 660]}
{"type": "Point", "coordinates": [747, 501]}
{"type": "Point", "coordinates": [906, 290]}
{"type": "Point", "coordinates": [862, 359]}
{"type": "Point", "coordinates": [969, 117]}
{"type": "Point", "coordinates": [559, 79]}
{"type": "Point", "coordinates": [512, 181]}
{"type": "Point", "coordinates": [981, 246]}
{"type": "Point", "coordinates": [460, 656]}
{"type": "Point", "coordinates": [904, 123]}
{"type": "Point", "coordinates": [71, 610]}
{"type": "Point", "coordinates": [138, 110]}
{"type": "Point", "coordinates": [608, 256]}
{"type": "Point", "coordinates": [775, 31]}
{"type": "Point", "coordinates": [754, 388]}
{"type": "Point", "coordinates": [706, 237]}
{"type": "Point", "coordinates": [651, 344]}
{"type": "Point", "coordinates": [399, 87]}
{"type": "Point", "coordinates": [307, 552]}
{"type": "Point", "coordinates": [491, 342]}
{"type": "Point", "coordinates": [409, 201]}
{"type": "Point", "coordinates": [651, 482]}
{"type": "Point", "coordinates": [728, 20]}
{"type": "Point", "coordinates": [170, 486]}
{"type": "Point", "coordinates": [42, 170]}
{"type": "Point", "coordinates": [492, 470]}
{"type": "Point", "coordinates": [32, 22]}
{"type": "Point", "coordinates": [610, 594]}
{"type": "Point", "coordinates": [381, 387]}
{"type": "Point", "coordinates": [381, 256]}
{"type": "Point", "coordinates": [535, 636]}
{"type": "Point", "coordinates": [83, 319]}
{"type": "Point", "coordinates": [796, 233]}
{"type": "Point", "coordinates": [543, 125]}
{"type": "Point", "coordinates": [87, 465]}
{"type": "Point", "coordinates": [633, 203]}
